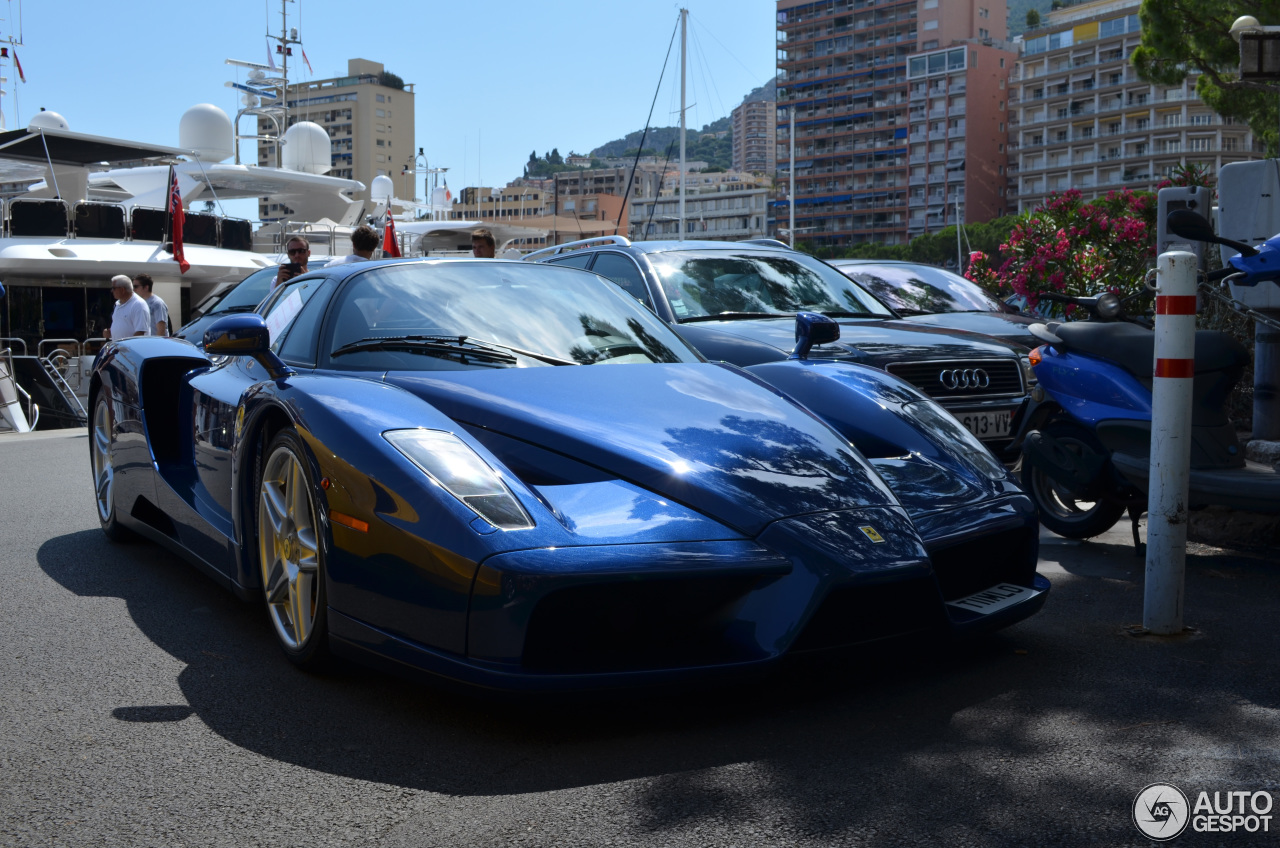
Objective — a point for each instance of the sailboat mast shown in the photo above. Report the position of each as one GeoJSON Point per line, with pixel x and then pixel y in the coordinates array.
{"type": "Point", "coordinates": [284, 67]}
{"type": "Point", "coordinates": [791, 186]}
{"type": "Point", "coordinates": [684, 17]}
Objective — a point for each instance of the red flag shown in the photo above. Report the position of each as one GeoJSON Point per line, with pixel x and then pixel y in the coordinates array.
{"type": "Point", "coordinates": [177, 217]}
{"type": "Point", "coordinates": [18, 64]}
{"type": "Point", "coordinates": [305, 59]}
{"type": "Point", "coordinates": [390, 247]}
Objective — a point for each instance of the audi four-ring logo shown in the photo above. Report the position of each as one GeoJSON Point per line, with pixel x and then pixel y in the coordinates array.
{"type": "Point", "coordinates": [966, 378]}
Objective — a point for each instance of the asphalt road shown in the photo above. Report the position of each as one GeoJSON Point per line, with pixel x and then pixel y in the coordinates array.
{"type": "Point", "coordinates": [141, 705]}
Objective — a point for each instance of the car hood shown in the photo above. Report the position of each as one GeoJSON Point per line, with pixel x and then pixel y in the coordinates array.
{"type": "Point", "coordinates": [706, 436]}
{"type": "Point", "coordinates": [1004, 326]}
{"type": "Point", "coordinates": [869, 342]}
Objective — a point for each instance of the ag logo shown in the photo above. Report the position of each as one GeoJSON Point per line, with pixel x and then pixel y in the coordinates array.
{"type": "Point", "coordinates": [872, 534]}
{"type": "Point", "coordinates": [1161, 812]}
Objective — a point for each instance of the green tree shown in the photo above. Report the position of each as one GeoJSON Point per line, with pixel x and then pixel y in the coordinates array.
{"type": "Point", "coordinates": [1033, 18]}
{"type": "Point", "coordinates": [1181, 36]}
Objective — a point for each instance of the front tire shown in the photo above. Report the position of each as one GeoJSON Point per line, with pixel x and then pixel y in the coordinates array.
{"type": "Point", "coordinates": [102, 466]}
{"type": "Point", "coordinates": [291, 554]}
{"type": "Point", "coordinates": [1060, 511]}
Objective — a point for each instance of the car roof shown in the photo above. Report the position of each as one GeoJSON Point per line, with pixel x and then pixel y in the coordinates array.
{"type": "Point", "coordinates": [843, 262]}
{"type": "Point", "coordinates": [662, 246]}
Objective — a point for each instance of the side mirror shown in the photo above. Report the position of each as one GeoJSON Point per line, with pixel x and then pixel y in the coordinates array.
{"type": "Point", "coordinates": [1195, 227]}
{"type": "Point", "coordinates": [245, 335]}
{"type": "Point", "coordinates": [813, 329]}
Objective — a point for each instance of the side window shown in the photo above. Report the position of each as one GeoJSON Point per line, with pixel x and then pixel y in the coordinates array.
{"type": "Point", "coordinates": [299, 345]}
{"type": "Point", "coordinates": [624, 272]}
{"type": "Point", "coordinates": [285, 304]}
{"type": "Point", "coordinates": [574, 260]}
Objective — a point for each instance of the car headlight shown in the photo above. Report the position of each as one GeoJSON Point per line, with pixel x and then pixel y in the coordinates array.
{"type": "Point", "coordinates": [459, 470]}
{"type": "Point", "coordinates": [1028, 373]}
{"type": "Point", "coordinates": [934, 419]}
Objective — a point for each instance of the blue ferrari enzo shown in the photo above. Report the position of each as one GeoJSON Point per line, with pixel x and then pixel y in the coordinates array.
{"type": "Point", "coordinates": [514, 475]}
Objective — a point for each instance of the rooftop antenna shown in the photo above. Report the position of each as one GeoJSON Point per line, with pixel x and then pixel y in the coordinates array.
{"type": "Point", "coordinates": [8, 51]}
{"type": "Point", "coordinates": [265, 92]}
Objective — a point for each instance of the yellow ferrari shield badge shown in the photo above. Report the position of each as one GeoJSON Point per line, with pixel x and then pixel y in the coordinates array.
{"type": "Point", "coordinates": [872, 534]}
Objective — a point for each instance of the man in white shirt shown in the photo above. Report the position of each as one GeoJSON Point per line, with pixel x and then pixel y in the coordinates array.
{"type": "Point", "coordinates": [364, 241]}
{"type": "Point", "coordinates": [142, 286]}
{"type": "Point", "coordinates": [131, 316]}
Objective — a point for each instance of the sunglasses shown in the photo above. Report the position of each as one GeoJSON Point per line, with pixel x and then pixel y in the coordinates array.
{"type": "Point", "coordinates": [294, 250]}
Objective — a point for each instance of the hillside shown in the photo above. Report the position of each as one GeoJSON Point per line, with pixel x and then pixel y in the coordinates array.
{"type": "Point", "coordinates": [1018, 13]}
{"type": "Point", "coordinates": [716, 152]}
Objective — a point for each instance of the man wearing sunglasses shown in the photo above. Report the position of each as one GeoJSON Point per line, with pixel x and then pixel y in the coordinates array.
{"type": "Point", "coordinates": [299, 250]}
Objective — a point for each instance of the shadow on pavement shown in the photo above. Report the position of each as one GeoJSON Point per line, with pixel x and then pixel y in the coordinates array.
{"type": "Point", "coordinates": [1064, 705]}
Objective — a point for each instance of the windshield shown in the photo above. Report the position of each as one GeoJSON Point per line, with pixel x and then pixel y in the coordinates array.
{"type": "Point", "coordinates": [458, 314]}
{"type": "Point", "coordinates": [710, 282]}
{"type": "Point", "coordinates": [245, 295]}
{"type": "Point", "coordinates": [921, 289]}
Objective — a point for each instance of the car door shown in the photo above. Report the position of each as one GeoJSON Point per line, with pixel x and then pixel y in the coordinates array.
{"type": "Point", "coordinates": [216, 396]}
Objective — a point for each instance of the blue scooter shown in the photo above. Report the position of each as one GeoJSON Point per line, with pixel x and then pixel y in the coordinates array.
{"type": "Point", "coordinates": [1088, 461]}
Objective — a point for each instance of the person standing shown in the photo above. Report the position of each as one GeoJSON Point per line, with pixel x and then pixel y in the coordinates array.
{"type": "Point", "coordinates": [131, 316]}
{"type": "Point", "coordinates": [299, 250]}
{"type": "Point", "coordinates": [483, 244]}
{"type": "Point", "coordinates": [142, 285]}
{"type": "Point", "coordinates": [364, 241]}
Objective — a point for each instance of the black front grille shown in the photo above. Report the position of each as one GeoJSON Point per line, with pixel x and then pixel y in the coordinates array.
{"type": "Point", "coordinates": [985, 378]}
{"type": "Point", "coordinates": [1006, 557]}
{"type": "Point", "coordinates": [852, 615]}
{"type": "Point", "coordinates": [641, 624]}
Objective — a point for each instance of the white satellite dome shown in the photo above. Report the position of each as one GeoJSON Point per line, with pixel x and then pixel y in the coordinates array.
{"type": "Point", "coordinates": [206, 131]}
{"type": "Point", "coordinates": [382, 188]}
{"type": "Point", "coordinates": [48, 121]}
{"type": "Point", "coordinates": [306, 148]}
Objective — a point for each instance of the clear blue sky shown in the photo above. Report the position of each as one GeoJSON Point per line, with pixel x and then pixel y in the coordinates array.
{"type": "Point", "coordinates": [493, 80]}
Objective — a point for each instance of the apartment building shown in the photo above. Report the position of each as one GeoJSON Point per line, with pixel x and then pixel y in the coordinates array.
{"type": "Point", "coordinates": [370, 126]}
{"type": "Point", "coordinates": [1083, 119]}
{"type": "Point", "coordinates": [842, 71]}
{"type": "Point", "coordinates": [729, 206]}
{"type": "Point", "coordinates": [754, 123]}
{"type": "Point", "coordinates": [510, 204]}
{"type": "Point", "coordinates": [958, 136]}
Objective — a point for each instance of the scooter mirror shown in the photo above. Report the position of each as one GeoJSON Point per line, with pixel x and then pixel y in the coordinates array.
{"type": "Point", "coordinates": [1190, 225]}
{"type": "Point", "coordinates": [1194, 226]}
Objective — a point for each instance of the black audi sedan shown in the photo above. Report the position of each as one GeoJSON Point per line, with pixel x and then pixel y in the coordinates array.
{"type": "Point", "coordinates": [737, 302]}
{"type": "Point", "coordinates": [934, 297]}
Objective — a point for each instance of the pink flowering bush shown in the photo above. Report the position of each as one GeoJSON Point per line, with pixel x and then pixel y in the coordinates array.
{"type": "Point", "coordinates": [1074, 248]}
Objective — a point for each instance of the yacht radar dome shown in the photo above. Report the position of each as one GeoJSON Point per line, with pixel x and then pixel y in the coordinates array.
{"type": "Point", "coordinates": [206, 131]}
{"type": "Point", "coordinates": [382, 189]}
{"type": "Point", "coordinates": [48, 121]}
{"type": "Point", "coordinates": [306, 149]}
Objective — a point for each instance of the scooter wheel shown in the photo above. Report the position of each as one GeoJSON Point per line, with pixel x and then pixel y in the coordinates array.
{"type": "Point", "coordinates": [1060, 511]}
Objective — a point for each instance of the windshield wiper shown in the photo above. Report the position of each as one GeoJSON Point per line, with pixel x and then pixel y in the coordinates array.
{"type": "Point", "coordinates": [734, 316]}
{"type": "Point", "coordinates": [430, 345]}
{"type": "Point", "coordinates": [461, 346]}
{"type": "Point", "coordinates": [248, 307]}
{"type": "Point", "coordinates": [839, 314]}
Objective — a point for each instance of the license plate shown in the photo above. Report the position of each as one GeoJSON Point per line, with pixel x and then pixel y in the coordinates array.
{"type": "Point", "coordinates": [986, 425]}
{"type": "Point", "coordinates": [996, 598]}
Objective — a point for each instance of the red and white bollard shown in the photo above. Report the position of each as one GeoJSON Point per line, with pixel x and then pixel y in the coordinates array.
{"type": "Point", "coordinates": [1170, 442]}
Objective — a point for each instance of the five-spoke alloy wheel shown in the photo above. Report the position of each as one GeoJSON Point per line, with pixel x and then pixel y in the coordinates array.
{"type": "Point", "coordinates": [102, 465]}
{"type": "Point", "coordinates": [290, 552]}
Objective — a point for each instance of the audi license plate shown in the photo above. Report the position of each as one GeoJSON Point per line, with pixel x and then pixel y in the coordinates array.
{"type": "Point", "coordinates": [986, 425]}
{"type": "Point", "coordinates": [997, 597]}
